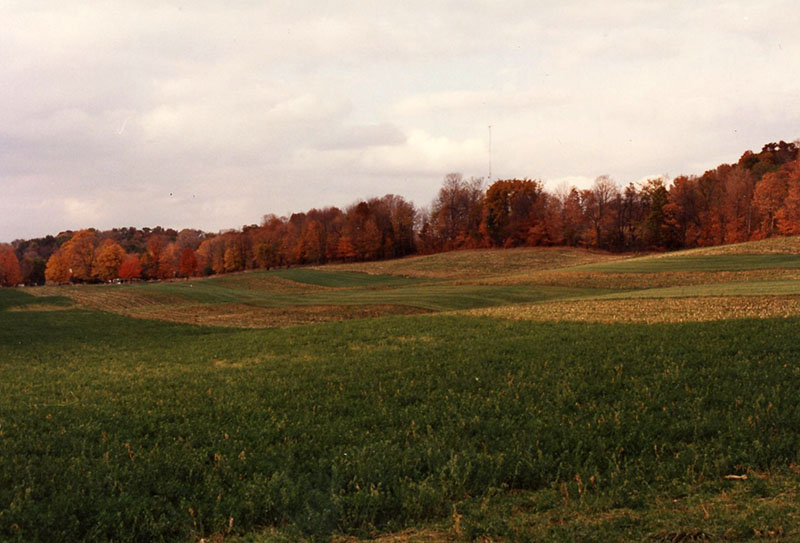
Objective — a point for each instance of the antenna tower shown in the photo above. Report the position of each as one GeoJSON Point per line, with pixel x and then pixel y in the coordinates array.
{"type": "Point", "coordinates": [490, 153]}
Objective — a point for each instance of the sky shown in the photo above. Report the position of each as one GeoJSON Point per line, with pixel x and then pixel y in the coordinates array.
{"type": "Point", "coordinates": [210, 115]}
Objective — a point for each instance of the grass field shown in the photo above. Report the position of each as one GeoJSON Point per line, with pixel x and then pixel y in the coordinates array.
{"type": "Point", "coordinates": [536, 399]}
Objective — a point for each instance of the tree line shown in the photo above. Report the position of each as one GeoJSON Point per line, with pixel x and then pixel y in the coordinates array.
{"type": "Point", "coordinates": [755, 198]}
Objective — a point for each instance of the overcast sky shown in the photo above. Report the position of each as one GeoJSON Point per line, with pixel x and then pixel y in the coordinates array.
{"type": "Point", "coordinates": [204, 115]}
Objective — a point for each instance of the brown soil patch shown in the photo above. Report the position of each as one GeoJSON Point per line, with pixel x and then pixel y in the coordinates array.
{"type": "Point", "coordinates": [651, 310]}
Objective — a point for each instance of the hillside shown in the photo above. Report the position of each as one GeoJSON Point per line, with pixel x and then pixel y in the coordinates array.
{"type": "Point", "coordinates": [522, 395]}
{"type": "Point", "coordinates": [527, 283]}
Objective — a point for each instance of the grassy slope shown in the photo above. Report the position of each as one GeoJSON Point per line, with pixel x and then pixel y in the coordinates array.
{"type": "Point", "coordinates": [680, 262]}
{"type": "Point", "coordinates": [134, 430]}
{"type": "Point", "coordinates": [473, 264]}
{"type": "Point", "coordinates": [276, 298]}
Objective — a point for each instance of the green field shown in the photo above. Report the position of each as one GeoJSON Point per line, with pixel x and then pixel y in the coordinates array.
{"type": "Point", "coordinates": [471, 422]}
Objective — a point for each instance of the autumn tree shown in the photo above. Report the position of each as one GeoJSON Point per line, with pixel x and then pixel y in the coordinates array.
{"type": "Point", "coordinates": [231, 260]}
{"type": "Point", "coordinates": [739, 185]}
{"type": "Point", "coordinates": [789, 214]}
{"type": "Point", "coordinates": [33, 255]}
{"type": "Point", "coordinates": [189, 238]}
{"type": "Point", "coordinates": [362, 232]}
{"type": "Point", "coordinates": [10, 275]}
{"type": "Point", "coordinates": [160, 260]}
{"type": "Point", "coordinates": [211, 256]}
{"type": "Point", "coordinates": [236, 254]}
{"type": "Point", "coordinates": [598, 206]}
{"type": "Point", "coordinates": [32, 268]}
{"type": "Point", "coordinates": [81, 253]}
{"type": "Point", "coordinates": [656, 233]}
{"type": "Point", "coordinates": [682, 210]}
{"type": "Point", "coordinates": [345, 248]}
{"type": "Point", "coordinates": [768, 198]}
{"type": "Point", "coordinates": [574, 218]}
{"type": "Point", "coordinates": [630, 216]}
{"type": "Point", "coordinates": [457, 212]}
{"type": "Point", "coordinates": [402, 216]}
{"type": "Point", "coordinates": [311, 245]}
{"type": "Point", "coordinates": [58, 269]}
{"type": "Point", "coordinates": [510, 212]}
{"type": "Point", "coordinates": [267, 242]}
{"type": "Point", "coordinates": [711, 207]}
{"type": "Point", "coordinates": [131, 268]}
{"type": "Point", "coordinates": [109, 258]}
{"type": "Point", "coordinates": [188, 263]}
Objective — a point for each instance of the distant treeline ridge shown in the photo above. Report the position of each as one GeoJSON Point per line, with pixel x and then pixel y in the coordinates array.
{"type": "Point", "coordinates": [755, 198]}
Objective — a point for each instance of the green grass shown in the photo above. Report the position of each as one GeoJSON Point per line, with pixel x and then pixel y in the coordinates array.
{"type": "Point", "coordinates": [10, 298]}
{"type": "Point", "coordinates": [343, 279]}
{"type": "Point", "coordinates": [353, 289]}
{"type": "Point", "coordinates": [127, 430]}
{"type": "Point", "coordinates": [467, 428]}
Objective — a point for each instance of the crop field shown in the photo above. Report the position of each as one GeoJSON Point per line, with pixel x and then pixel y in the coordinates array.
{"type": "Point", "coordinates": [528, 395]}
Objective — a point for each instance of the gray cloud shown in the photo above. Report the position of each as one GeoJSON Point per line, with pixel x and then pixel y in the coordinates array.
{"type": "Point", "coordinates": [204, 115]}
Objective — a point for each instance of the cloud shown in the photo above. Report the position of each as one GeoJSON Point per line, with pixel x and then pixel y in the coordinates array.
{"type": "Point", "coordinates": [244, 109]}
{"type": "Point", "coordinates": [454, 101]}
{"type": "Point", "coordinates": [362, 136]}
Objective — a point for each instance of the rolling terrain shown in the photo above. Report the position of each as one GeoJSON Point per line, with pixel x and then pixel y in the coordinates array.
{"type": "Point", "coordinates": [518, 395]}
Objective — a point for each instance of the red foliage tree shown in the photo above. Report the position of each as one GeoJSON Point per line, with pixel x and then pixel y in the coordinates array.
{"type": "Point", "coordinates": [131, 268]}
{"type": "Point", "coordinates": [188, 263]}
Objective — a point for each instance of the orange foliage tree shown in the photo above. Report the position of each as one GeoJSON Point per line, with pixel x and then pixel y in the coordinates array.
{"type": "Point", "coordinates": [10, 275]}
{"type": "Point", "coordinates": [58, 270]}
{"type": "Point", "coordinates": [110, 257]}
{"type": "Point", "coordinates": [80, 253]}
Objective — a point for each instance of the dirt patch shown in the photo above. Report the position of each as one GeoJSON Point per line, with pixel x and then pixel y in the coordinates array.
{"type": "Point", "coordinates": [696, 309]}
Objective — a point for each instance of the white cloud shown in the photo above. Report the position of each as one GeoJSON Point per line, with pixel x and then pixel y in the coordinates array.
{"type": "Point", "coordinates": [243, 109]}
